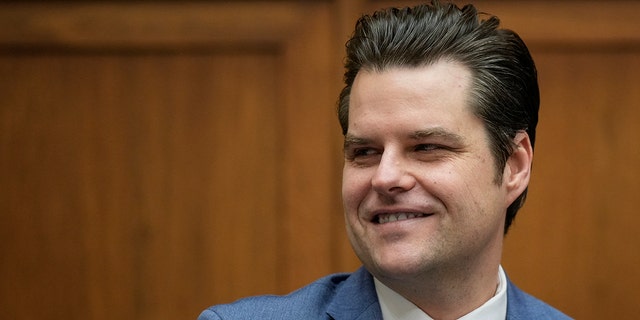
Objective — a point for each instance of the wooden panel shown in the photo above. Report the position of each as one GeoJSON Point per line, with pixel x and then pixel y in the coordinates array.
{"type": "Point", "coordinates": [575, 242]}
{"type": "Point", "coordinates": [130, 179]}
{"type": "Point", "coordinates": [312, 162]}
{"type": "Point", "coordinates": [159, 158]}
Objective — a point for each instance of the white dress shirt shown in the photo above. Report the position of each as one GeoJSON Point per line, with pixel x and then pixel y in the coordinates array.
{"type": "Point", "coordinates": [396, 307]}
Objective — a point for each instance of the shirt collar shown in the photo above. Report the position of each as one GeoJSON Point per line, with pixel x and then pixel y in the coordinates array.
{"type": "Point", "coordinates": [396, 307]}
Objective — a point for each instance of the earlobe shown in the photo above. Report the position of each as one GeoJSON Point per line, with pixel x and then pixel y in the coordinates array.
{"type": "Point", "coordinates": [518, 167]}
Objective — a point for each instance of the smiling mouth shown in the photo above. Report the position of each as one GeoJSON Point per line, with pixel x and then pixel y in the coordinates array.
{"type": "Point", "coordinates": [393, 217]}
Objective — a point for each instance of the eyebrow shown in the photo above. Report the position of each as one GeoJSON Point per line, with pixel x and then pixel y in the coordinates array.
{"type": "Point", "coordinates": [352, 140]}
{"type": "Point", "coordinates": [437, 132]}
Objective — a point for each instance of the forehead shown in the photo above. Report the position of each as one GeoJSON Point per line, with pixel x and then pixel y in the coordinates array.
{"type": "Point", "coordinates": [434, 94]}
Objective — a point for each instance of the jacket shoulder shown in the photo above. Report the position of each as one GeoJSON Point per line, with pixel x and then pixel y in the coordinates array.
{"type": "Point", "coordinates": [309, 302]}
{"type": "Point", "coordinates": [521, 305]}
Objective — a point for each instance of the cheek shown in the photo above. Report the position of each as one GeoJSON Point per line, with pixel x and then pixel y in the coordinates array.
{"type": "Point", "coordinates": [462, 188]}
{"type": "Point", "coordinates": [479, 202]}
{"type": "Point", "coordinates": [355, 186]}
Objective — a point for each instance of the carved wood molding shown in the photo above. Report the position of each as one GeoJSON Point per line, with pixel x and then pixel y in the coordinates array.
{"type": "Point", "coordinates": [123, 25]}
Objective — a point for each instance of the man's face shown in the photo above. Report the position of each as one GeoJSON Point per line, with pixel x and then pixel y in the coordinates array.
{"type": "Point", "coordinates": [419, 186]}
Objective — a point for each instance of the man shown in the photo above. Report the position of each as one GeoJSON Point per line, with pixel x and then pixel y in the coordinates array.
{"type": "Point", "coordinates": [438, 114]}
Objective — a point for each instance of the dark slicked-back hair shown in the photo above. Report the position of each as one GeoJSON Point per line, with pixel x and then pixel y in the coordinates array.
{"type": "Point", "coordinates": [504, 91]}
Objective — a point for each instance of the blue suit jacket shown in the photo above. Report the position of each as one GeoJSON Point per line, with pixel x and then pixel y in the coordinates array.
{"type": "Point", "coordinates": [351, 297]}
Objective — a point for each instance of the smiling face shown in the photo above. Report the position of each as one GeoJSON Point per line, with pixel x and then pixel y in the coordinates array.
{"type": "Point", "coordinates": [419, 181]}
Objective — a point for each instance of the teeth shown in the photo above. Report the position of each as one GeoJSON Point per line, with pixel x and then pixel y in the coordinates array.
{"type": "Point", "coordinates": [392, 217]}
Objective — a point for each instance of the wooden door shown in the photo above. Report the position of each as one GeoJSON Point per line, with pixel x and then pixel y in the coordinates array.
{"type": "Point", "coordinates": [157, 158]}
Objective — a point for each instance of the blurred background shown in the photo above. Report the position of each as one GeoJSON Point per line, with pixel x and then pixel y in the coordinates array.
{"type": "Point", "coordinates": [160, 157]}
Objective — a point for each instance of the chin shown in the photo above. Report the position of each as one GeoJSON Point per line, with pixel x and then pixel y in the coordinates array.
{"type": "Point", "coordinates": [397, 267]}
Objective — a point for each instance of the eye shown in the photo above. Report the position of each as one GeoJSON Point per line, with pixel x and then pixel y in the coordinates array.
{"type": "Point", "coordinates": [362, 152]}
{"type": "Point", "coordinates": [362, 156]}
{"type": "Point", "coordinates": [427, 147]}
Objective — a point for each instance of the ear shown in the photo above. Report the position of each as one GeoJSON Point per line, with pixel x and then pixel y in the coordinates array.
{"type": "Point", "coordinates": [517, 170]}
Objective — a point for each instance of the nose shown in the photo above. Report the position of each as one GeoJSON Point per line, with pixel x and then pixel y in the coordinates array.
{"type": "Point", "coordinates": [392, 176]}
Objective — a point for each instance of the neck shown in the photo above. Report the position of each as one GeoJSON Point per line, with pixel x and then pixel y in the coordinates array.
{"type": "Point", "coordinates": [450, 292]}
{"type": "Point", "coordinates": [446, 297]}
